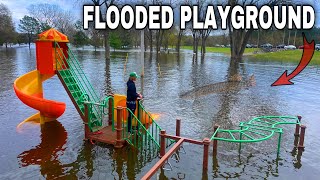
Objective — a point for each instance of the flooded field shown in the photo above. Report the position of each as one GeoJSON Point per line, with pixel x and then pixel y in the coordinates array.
{"type": "Point", "coordinates": [57, 150]}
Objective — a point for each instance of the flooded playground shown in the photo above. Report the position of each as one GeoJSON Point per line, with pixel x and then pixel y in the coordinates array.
{"type": "Point", "coordinates": [57, 150]}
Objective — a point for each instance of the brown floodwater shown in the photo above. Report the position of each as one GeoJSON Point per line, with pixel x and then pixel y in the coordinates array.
{"type": "Point", "coordinates": [57, 150]}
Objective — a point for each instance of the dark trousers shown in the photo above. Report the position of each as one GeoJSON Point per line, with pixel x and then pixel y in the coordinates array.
{"type": "Point", "coordinates": [132, 107]}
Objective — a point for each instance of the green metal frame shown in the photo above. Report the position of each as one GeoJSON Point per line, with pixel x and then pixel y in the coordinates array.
{"type": "Point", "coordinates": [141, 136]}
{"type": "Point", "coordinates": [154, 128]}
{"type": "Point", "coordinates": [256, 130]}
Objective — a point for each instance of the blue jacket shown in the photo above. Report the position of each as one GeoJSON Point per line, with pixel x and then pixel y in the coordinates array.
{"type": "Point", "coordinates": [132, 94]}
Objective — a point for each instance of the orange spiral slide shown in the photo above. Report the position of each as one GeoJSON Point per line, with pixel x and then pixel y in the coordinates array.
{"type": "Point", "coordinates": [29, 90]}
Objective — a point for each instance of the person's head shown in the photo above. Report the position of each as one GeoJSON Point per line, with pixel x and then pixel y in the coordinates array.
{"type": "Point", "coordinates": [133, 76]}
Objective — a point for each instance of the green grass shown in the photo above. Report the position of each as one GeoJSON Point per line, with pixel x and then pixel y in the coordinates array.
{"type": "Point", "coordinates": [285, 56]}
{"type": "Point", "coordinates": [224, 50]}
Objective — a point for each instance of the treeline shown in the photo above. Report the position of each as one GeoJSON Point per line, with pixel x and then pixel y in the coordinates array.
{"type": "Point", "coordinates": [274, 37]}
{"type": "Point", "coordinates": [44, 16]}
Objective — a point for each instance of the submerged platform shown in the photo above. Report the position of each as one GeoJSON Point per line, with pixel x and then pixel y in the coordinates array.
{"type": "Point", "coordinates": [105, 135]}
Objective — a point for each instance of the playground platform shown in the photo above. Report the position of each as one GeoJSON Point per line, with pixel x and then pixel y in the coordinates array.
{"type": "Point", "coordinates": [105, 135]}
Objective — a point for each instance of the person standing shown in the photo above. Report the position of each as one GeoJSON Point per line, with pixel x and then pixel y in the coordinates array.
{"type": "Point", "coordinates": [132, 97]}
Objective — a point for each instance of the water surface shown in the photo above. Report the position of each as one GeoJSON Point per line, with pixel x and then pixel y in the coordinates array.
{"type": "Point", "coordinates": [57, 149]}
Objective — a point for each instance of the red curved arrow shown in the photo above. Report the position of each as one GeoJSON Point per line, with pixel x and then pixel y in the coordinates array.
{"type": "Point", "coordinates": [307, 55]}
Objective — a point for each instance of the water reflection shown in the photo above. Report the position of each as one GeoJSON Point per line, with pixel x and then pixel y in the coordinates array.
{"type": "Point", "coordinates": [227, 108]}
{"type": "Point", "coordinates": [296, 154]}
{"type": "Point", "coordinates": [108, 86]}
{"type": "Point", "coordinates": [46, 154]}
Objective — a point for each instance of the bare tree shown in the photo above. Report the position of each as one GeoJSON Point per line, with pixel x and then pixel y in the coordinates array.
{"type": "Point", "coordinates": [181, 33]}
{"type": "Point", "coordinates": [104, 4]}
{"type": "Point", "coordinates": [46, 14]}
{"type": "Point", "coordinates": [239, 37]}
{"type": "Point", "coordinates": [51, 15]}
{"type": "Point", "coordinates": [149, 36]}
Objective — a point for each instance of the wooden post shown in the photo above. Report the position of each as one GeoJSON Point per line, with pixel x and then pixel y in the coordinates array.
{"type": "Point", "coordinates": [162, 143]}
{"type": "Point", "coordinates": [301, 141]}
{"type": "Point", "coordinates": [297, 133]}
{"type": "Point", "coordinates": [139, 109]}
{"type": "Point", "coordinates": [178, 126]}
{"type": "Point", "coordinates": [206, 144]}
{"type": "Point", "coordinates": [119, 128]}
{"type": "Point", "coordinates": [110, 115]}
{"type": "Point", "coordinates": [86, 121]}
{"type": "Point", "coordinates": [215, 142]}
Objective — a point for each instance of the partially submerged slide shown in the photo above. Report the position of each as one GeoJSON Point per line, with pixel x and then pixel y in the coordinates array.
{"type": "Point", "coordinates": [28, 88]}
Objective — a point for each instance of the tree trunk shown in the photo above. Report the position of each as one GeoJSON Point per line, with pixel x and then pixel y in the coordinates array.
{"type": "Point", "coordinates": [289, 37]}
{"type": "Point", "coordinates": [195, 42]}
{"type": "Point", "coordinates": [196, 47]}
{"type": "Point", "coordinates": [161, 39]}
{"type": "Point", "coordinates": [295, 36]}
{"type": "Point", "coordinates": [29, 39]}
{"type": "Point", "coordinates": [107, 44]}
{"type": "Point", "coordinates": [203, 45]}
{"type": "Point", "coordinates": [179, 41]}
{"type": "Point", "coordinates": [258, 42]}
{"type": "Point", "coordinates": [238, 41]}
{"type": "Point", "coordinates": [145, 42]}
{"type": "Point", "coordinates": [151, 41]}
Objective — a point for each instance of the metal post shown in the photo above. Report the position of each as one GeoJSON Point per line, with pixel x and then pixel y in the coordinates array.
{"type": "Point", "coordinates": [206, 143]}
{"type": "Point", "coordinates": [279, 143]}
{"type": "Point", "coordinates": [296, 133]}
{"type": "Point", "coordinates": [178, 125]}
{"type": "Point", "coordinates": [86, 121]}
{"type": "Point", "coordinates": [240, 136]}
{"type": "Point", "coordinates": [215, 142]}
{"type": "Point", "coordinates": [119, 128]}
{"type": "Point", "coordinates": [301, 142]}
{"type": "Point", "coordinates": [162, 143]}
{"type": "Point", "coordinates": [142, 48]}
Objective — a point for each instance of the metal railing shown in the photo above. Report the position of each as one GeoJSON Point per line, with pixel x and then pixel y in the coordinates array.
{"type": "Point", "coordinates": [139, 137]}
{"type": "Point", "coordinates": [70, 68]}
{"type": "Point", "coordinates": [173, 151]}
{"type": "Point", "coordinates": [153, 128]}
{"type": "Point", "coordinates": [256, 130]}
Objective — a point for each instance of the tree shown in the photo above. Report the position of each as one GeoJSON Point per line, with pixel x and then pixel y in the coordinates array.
{"type": "Point", "coordinates": [106, 32]}
{"type": "Point", "coordinates": [80, 39]}
{"type": "Point", "coordinates": [30, 26]}
{"type": "Point", "coordinates": [46, 14]}
{"type": "Point", "coordinates": [115, 40]}
{"type": "Point", "coordinates": [52, 15]}
{"type": "Point", "coordinates": [239, 37]}
{"type": "Point", "coordinates": [22, 38]}
{"type": "Point", "coordinates": [6, 26]}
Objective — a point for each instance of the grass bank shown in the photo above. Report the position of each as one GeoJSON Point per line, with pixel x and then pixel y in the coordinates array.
{"type": "Point", "coordinates": [286, 56]}
{"type": "Point", "coordinates": [223, 50]}
{"type": "Point", "coordinates": [281, 56]}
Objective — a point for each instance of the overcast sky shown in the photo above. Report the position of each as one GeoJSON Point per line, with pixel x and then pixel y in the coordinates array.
{"type": "Point", "coordinates": [19, 7]}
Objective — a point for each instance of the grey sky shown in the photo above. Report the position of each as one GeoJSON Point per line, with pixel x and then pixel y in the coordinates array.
{"type": "Point", "coordinates": [19, 7]}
